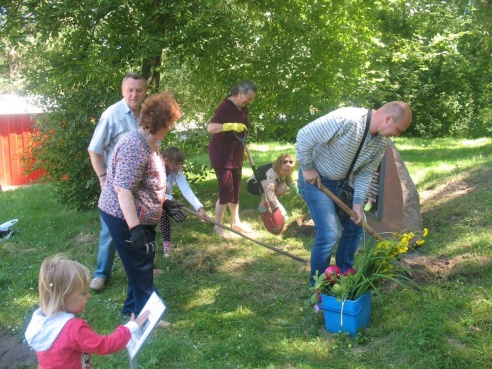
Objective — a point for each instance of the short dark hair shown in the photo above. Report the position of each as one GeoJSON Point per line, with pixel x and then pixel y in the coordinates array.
{"type": "Point", "coordinates": [244, 87]}
{"type": "Point", "coordinates": [395, 108]}
{"type": "Point", "coordinates": [158, 111]}
{"type": "Point", "coordinates": [132, 75]}
{"type": "Point", "coordinates": [174, 154]}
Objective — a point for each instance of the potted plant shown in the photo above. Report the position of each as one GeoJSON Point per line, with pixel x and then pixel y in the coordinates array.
{"type": "Point", "coordinates": [347, 296]}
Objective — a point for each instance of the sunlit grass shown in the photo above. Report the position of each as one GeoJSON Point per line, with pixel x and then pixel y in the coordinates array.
{"type": "Point", "coordinates": [236, 304]}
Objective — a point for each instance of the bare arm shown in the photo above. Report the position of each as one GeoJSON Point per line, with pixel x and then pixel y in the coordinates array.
{"type": "Point", "coordinates": [127, 204]}
{"type": "Point", "coordinates": [215, 128]}
{"type": "Point", "coordinates": [97, 162]}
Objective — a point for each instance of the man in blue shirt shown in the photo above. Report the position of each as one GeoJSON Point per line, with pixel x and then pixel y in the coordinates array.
{"type": "Point", "coordinates": [114, 124]}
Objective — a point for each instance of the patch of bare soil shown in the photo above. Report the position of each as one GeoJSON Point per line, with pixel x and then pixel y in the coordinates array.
{"type": "Point", "coordinates": [429, 269]}
{"type": "Point", "coordinates": [432, 268]}
{"type": "Point", "coordinates": [15, 354]}
{"type": "Point", "coordinates": [301, 226]}
{"type": "Point", "coordinates": [433, 197]}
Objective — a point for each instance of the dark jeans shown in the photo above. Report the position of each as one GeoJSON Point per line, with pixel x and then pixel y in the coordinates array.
{"type": "Point", "coordinates": [138, 264]}
{"type": "Point", "coordinates": [322, 210]}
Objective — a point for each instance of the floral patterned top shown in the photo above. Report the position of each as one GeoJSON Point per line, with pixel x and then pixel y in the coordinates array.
{"type": "Point", "coordinates": [134, 166]}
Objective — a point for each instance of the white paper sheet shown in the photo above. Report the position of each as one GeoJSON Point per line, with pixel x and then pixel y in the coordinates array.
{"type": "Point", "coordinates": [156, 308]}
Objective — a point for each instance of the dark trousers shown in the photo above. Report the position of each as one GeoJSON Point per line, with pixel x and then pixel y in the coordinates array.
{"type": "Point", "coordinates": [138, 264]}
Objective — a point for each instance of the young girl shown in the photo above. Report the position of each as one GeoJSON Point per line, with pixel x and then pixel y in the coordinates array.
{"type": "Point", "coordinates": [275, 178]}
{"type": "Point", "coordinates": [59, 338]}
{"type": "Point", "coordinates": [174, 159]}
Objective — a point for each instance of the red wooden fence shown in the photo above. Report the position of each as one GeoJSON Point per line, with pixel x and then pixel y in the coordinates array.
{"type": "Point", "coordinates": [15, 141]}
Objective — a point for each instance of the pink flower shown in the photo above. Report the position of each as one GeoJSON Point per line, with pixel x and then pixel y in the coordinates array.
{"type": "Point", "coordinates": [350, 271]}
{"type": "Point", "coordinates": [333, 270]}
{"type": "Point", "coordinates": [332, 274]}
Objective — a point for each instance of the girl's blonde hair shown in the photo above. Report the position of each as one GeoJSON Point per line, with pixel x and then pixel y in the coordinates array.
{"type": "Point", "coordinates": [277, 164]}
{"type": "Point", "coordinates": [58, 278]}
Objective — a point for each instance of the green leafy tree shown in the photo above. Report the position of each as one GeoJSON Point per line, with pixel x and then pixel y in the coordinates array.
{"type": "Point", "coordinates": [307, 58]}
{"type": "Point", "coordinates": [430, 51]}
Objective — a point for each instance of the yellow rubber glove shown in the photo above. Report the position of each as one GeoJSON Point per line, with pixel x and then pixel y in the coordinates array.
{"type": "Point", "coordinates": [238, 127]}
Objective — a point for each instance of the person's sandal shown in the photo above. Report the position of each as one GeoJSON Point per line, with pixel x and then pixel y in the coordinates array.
{"type": "Point", "coordinates": [163, 324]}
{"type": "Point", "coordinates": [221, 232]}
{"type": "Point", "coordinates": [242, 227]}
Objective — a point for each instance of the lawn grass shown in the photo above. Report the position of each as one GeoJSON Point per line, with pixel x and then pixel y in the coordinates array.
{"type": "Point", "coordinates": [236, 304]}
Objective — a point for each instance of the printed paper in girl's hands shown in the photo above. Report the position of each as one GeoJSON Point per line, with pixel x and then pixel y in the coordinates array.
{"type": "Point", "coordinates": [156, 308]}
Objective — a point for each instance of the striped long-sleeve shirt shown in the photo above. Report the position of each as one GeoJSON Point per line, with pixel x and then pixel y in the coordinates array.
{"type": "Point", "coordinates": [330, 142]}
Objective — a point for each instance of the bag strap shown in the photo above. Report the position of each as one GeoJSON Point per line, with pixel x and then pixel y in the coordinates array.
{"type": "Point", "coordinates": [368, 122]}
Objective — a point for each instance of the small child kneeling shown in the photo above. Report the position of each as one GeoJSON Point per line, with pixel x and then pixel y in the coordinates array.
{"type": "Point", "coordinates": [59, 338]}
{"type": "Point", "coordinates": [174, 159]}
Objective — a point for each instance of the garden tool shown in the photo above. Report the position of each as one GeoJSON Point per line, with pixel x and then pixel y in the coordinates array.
{"type": "Point", "coordinates": [272, 218]}
{"type": "Point", "coordinates": [211, 220]}
{"type": "Point", "coordinates": [350, 212]}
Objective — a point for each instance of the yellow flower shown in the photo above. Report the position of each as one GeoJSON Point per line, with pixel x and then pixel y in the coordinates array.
{"type": "Point", "coordinates": [420, 242]}
{"type": "Point", "coordinates": [425, 233]}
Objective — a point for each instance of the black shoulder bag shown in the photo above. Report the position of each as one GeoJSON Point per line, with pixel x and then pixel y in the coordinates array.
{"type": "Point", "coordinates": [345, 191]}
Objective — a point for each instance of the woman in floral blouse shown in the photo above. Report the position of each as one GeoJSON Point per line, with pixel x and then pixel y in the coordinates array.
{"type": "Point", "coordinates": [133, 197]}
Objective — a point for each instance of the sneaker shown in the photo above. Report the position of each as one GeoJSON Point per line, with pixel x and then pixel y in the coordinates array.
{"type": "Point", "coordinates": [167, 246]}
{"type": "Point", "coordinates": [163, 324]}
{"type": "Point", "coordinates": [97, 284]}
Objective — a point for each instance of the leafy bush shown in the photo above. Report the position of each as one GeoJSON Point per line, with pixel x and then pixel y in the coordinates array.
{"type": "Point", "coordinates": [60, 148]}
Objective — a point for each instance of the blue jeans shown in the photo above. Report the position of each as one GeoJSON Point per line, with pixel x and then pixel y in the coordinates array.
{"type": "Point", "coordinates": [322, 210]}
{"type": "Point", "coordinates": [105, 253]}
{"type": "Point", "coordinates": [138, 264]}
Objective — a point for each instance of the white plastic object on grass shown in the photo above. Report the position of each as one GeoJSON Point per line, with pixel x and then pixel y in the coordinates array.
{"type": "Point", "coordinates": [5, 226]}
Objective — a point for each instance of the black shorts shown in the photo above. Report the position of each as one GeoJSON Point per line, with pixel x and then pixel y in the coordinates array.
{"type": "Point", "coordinates": [254, 187]}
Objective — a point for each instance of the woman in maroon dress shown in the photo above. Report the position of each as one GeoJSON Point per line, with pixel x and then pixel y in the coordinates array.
{"type": "Point", "coordinates": [226, 152]}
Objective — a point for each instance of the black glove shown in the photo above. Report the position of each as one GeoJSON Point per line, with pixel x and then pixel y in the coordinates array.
{"type": "Point", "coordinates": [140, 239]}
{"type": "Point", "coordinates": [171, 208]}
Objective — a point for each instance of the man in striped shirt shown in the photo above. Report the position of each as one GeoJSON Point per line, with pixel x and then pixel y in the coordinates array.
{"type": "Point", "coordinates": [325, 149]}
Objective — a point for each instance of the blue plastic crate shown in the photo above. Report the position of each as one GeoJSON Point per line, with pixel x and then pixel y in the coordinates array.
{"type": "Point", "coordinates": [354, 316]}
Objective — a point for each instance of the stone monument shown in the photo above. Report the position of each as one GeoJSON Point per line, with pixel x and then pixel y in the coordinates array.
{"type": "Point", "coordinates": [393, 200]}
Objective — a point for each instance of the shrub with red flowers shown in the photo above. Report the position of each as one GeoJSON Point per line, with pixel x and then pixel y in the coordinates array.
{"type": "Point", "coordinates": [375, 262]}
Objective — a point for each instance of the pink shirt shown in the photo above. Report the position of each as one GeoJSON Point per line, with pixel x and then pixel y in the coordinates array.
{"type": "Point", "coordinates": [76, 342]}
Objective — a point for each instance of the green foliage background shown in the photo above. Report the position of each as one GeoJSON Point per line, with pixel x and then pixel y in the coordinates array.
{"type": "Point", "coordinates": [307, 58]}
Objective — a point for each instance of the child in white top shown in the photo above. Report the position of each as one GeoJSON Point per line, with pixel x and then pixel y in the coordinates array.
{"type": "Point", "coordinates": [174, 159]}
{"type": "Point", "coordinates": [61, 340]}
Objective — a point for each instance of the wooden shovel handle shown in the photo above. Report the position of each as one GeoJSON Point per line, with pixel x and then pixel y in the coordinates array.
{"type": "Point", "coordinates": [350, 212]}
{"type": "Point", "coordinates": [213, 221]}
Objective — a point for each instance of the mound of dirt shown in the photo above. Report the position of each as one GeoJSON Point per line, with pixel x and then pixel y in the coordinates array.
{"type": "Point", "coordinates": [15, 354]}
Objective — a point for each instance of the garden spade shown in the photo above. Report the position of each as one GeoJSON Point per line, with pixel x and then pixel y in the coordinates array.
{"type": "Point", "coordinates": [271, 218]}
